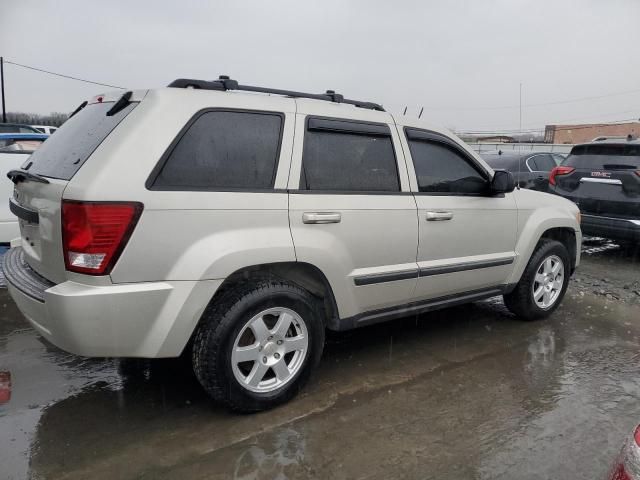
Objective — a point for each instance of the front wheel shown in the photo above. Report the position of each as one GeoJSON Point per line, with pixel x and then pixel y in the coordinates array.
{"type": "Point", "coordinates": [543, 283]}
{"type": "Point", "coordinates": [257, 346]}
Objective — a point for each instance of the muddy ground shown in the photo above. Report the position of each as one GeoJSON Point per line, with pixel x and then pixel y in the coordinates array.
{"type": "Point", "coordinates": [464, 393]}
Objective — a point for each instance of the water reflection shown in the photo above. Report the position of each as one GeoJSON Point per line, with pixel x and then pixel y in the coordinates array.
{"type": "Point", "coordinates": [5, 387]}
{"type": "Point", "coordinates": [255, 462]}
{"type": "Point", "coordinates": [469, 386]}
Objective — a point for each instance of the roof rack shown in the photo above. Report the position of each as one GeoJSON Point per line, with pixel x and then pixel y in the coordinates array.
{"type": "Point", "coordinates": [225, 83]}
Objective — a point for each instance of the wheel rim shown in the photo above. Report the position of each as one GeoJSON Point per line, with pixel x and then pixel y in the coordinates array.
{"type": "Point", "coordinates": [269, 350]}
{"type": "Point", "coordinates": [548, 282]}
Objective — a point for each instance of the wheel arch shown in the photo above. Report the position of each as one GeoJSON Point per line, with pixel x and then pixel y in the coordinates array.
{"type": "Point", "coordinates": [565, 230]}
{"type": "Point", "coordinates": [304, 275]}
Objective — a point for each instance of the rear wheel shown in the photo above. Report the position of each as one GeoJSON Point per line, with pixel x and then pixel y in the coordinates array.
{"type": "Point", "coordinates": [543, 283]}
{"type": "Point", "coordinates": [256, 347]}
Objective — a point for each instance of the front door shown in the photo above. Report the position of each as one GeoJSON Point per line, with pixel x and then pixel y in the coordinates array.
{"type": "Point", "coordinates": [466, 236]}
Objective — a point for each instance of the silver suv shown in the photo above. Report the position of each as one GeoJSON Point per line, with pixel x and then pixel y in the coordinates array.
{"type": "Point", "coordinates": [236, 224]}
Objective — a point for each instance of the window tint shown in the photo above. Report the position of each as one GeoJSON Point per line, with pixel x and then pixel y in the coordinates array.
{"type": "Point", "coordinates": [63, 155]}
{"type": "Point", "coordinates": [225, 150]}
{"type": "Point", "coordinates": [335, 160]}
{"type": "Point", "coordinates": [542, 163]}
{"type": "Point", "coordinates": [442, 169]}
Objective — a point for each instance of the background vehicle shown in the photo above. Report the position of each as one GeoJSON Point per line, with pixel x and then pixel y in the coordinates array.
{"type": "Point", "coordinates": [17, 128]}
{"type": "Point", "coordinates": [15, 148]}
{"type": "Point", "coordinates": [603, 179]}
{"type": "Point", "coordinates": [531, 170]}
{"type": "Point", "coordinates": [627, 465]}
{"type": "Point", "coordinates": [248, 224]}
{"type": "Point", "coordinates": [45, 129]}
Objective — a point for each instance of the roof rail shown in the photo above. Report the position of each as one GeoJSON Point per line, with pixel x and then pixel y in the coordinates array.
{"type": "Point", "coordinates": [225, 83]}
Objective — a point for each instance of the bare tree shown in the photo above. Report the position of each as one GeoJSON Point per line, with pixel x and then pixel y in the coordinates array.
{"type": "Point", "coordinates": [54, 119]}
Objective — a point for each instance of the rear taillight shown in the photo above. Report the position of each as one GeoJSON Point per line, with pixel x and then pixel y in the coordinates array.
{"type": "Point", "coordinates": [638, 172]}
{"type": "Point", "coordinates": [95, 233]}
{"type": "Point", "coordinates": [559, 171]}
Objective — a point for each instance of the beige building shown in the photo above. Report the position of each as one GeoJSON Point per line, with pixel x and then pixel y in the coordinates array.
{"type": "Point", "coordinates": [587, 132]}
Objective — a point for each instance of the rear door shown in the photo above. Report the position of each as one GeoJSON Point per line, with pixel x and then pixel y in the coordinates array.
{"type": "Point", "coordinates": [38, 203]}
{"type": "Point", "coordinates": [351, 212]}
{"type": "Point", "coordinates": [605, 180]}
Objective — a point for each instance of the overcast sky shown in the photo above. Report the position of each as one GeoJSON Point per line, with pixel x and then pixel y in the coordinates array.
{"type": "Point", "coordinates": [461, 60]}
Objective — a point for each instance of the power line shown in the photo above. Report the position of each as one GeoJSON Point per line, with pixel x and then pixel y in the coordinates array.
{"type": "Point", "coordinates": [63, 76]}
{"type": "Point", "coordinates": [544, 104]}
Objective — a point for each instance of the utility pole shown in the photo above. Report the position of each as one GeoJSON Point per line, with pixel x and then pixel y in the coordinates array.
{"type": "Point", "coordinates": [4, 109]}
{"type": "Point", "coordinates": [520, 111]}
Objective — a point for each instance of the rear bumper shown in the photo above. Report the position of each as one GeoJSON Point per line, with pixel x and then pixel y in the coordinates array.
{"type": "Point", "coordinates": [151, 320]}
{"type": "Point", "coordinates": [611, 227]}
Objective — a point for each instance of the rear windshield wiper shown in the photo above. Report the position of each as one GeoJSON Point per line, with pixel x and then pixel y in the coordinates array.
{"type": "Point", "coordinates": [80, 107]}
{"type": "Point", "coordinates": [120, 105]}
{"type": "Point", "coordinates": [17, 176]}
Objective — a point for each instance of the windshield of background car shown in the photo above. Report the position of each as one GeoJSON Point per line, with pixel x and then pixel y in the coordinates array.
{"type": "Point", "coordinates": [605, 157]}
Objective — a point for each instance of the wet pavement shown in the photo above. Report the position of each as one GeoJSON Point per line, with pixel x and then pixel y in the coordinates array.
{"type": "Point", "coordinates": [467, 392]}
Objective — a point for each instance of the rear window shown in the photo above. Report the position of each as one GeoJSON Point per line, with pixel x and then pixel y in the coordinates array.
{"type": "Point", "coordinates": [62, 155]}
{"type": "Point", "coordinates": [604, 157]}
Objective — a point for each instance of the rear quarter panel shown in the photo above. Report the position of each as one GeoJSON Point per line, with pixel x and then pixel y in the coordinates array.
{"type": "Point", "coordinates": [187, 235]}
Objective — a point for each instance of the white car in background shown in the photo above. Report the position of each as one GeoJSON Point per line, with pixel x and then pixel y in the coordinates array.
{"type": "Point", "coordinates": [15, 148]}
{"type": "Point", "coordinates": [45, 129]}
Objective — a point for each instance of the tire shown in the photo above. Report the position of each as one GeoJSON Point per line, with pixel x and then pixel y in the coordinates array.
{"type": "Point", "coordinates": [521, 301]}
{"type": "Point", "coordinates": [230, 324]}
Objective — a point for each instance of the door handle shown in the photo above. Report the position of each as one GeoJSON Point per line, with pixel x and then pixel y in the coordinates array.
{"type": "Point", "coordinates": [321, 217]}
{"type": "Point", "coordinates": [439, 216]}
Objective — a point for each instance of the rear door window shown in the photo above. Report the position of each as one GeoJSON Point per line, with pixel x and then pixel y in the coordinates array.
{"type": "Point", "coordinates": [542, 163]}
{"type": "Point", "coordinates": [224, 150]}
{"type": "Point", "coordinates": [343, 155]}
{"type": "Point", "coordinates": [605, 157]}
{"type": "Point", "coordinates": [62, 155]}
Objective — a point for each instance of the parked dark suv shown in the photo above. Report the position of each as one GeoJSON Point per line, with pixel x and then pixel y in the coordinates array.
{"type": "Point", "coordinates": [603, 179]}
{"type": "Point", "coordinates": [531, 169]}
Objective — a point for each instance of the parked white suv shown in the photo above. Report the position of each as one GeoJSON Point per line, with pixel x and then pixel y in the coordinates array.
{"type": "Point", "coordinates": [242, 225]}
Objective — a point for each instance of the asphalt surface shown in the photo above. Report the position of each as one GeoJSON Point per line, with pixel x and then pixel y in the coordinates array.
{"type": "Point", "coordinates": [464, 393]}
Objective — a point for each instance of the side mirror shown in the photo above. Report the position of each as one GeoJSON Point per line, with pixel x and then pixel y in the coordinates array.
{"type": "Point", "coordinates": [502, 182]}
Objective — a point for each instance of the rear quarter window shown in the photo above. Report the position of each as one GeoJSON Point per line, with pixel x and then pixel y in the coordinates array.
{"type": "Point", "coordinates": [222, 150]}
{"type": "Point", "coordinates": [62, 155]}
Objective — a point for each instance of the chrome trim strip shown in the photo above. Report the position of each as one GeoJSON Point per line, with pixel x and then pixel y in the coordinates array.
{"type": "Point", "coordinates": [385, 277]}
{"type": "Point", "coordinates": [461, 267]}
{"type": "Point", "coordinates": [609, 181]}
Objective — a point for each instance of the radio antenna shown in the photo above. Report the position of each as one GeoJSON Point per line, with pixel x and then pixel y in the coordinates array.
{"type": "Point", "coordinates": [520, 142]}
